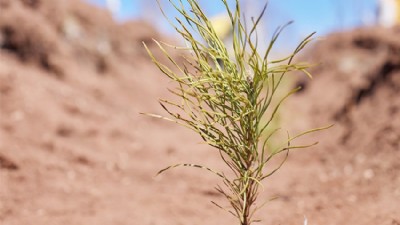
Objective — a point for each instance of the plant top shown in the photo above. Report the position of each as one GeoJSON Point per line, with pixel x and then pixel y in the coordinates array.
{"type": "Point", "coordinates": [230, 99]}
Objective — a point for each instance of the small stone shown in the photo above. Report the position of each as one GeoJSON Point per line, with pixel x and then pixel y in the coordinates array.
{"type": "Point", "coordinates": [348, 170]}
{"type": "Point", "coordinates": [352, 198]}
{"type": "Point", "coordinates": [40, 212]}
{"type": "Point", "coordinates": [71, 175]}
{"type": "Point", "coordinates": [361, 158]}
{"type": "Point", "coordinates": [126, 181]}
{"type": "Point", "coordinates": [368, 174]}
{"type": "Point", "coordinates": [17, 116]}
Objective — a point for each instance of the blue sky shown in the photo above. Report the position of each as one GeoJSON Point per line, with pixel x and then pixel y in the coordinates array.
{"type": "Point", "coordinates": [322, 16]}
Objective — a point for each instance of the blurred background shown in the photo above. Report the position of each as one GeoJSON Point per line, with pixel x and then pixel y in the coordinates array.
{"type": "Point", "coordinates": [74, 148]}
{"type": "Point", "coordinates": [323, 16]}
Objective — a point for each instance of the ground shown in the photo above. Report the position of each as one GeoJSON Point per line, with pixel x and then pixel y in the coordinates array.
{"type": "Point", "coordinates": [74, 148]}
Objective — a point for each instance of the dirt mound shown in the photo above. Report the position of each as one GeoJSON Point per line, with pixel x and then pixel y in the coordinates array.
{"type": "Point", "coordinates": [51, 33]}
{"type": "Point", "coordinates": [357, 88]}
{"type": "Point", "coordinates": [74, 149]}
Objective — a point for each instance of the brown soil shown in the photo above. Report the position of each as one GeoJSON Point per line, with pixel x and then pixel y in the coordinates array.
{"type": "Point", "coordinates": [75, 150]}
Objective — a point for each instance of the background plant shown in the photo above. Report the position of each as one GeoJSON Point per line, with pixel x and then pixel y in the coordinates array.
{"type": "Point", "coordinates": [229, 99]}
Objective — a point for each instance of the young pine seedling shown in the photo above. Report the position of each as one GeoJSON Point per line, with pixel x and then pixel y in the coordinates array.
{"type": "Point", "coordinates": [230, 99]}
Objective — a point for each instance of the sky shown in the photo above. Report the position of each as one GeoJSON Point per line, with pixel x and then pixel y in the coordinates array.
{"type": "Point", "coordinates": [322, 16]}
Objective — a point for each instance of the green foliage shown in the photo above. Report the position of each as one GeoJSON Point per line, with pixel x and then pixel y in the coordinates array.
{"type": "Point", "coordinates": [230, 99]}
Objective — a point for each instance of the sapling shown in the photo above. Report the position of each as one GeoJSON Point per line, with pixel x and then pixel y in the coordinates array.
{"type": "Point", "coordinates": [230, 99]}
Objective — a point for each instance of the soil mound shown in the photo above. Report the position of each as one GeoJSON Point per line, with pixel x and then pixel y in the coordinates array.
{"type": "Point", "coordinates": [356, 86]}
{"type": "Point", "coordinates": [72, 84]}
{"type": "Point", "coordinates": [50, 34]}
{"type": "Point", "coordinates": [74, 149]}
